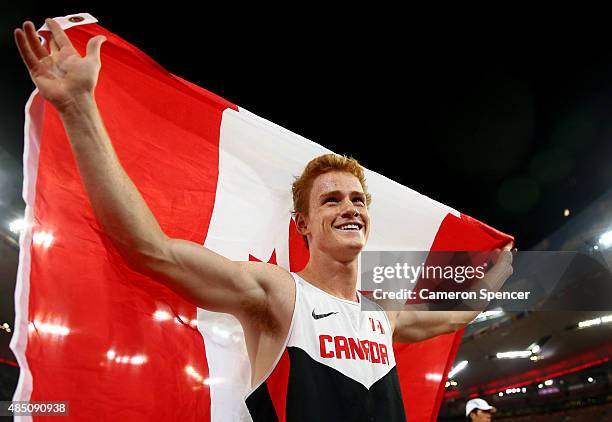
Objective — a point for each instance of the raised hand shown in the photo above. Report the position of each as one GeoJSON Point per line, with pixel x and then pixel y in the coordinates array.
{"type": "Point", "coordinates": [63, 76]}
{"type": "Point", "coordinates": [501, 270]}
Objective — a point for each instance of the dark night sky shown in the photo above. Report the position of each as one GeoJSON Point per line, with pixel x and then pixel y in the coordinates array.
{"type": "Point", "coordinates": [508, 129]}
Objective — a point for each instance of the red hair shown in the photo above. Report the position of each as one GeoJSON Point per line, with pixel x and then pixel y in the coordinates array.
{"type": "Point", "coordinates": [320, 165]}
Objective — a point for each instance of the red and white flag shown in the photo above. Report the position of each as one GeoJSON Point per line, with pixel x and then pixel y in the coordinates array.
{"type": "Point", "coordinates": [118, 345]}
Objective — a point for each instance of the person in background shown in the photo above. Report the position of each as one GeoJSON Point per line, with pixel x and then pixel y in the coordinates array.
{"type": "Point", "coordinates": [478, 410]}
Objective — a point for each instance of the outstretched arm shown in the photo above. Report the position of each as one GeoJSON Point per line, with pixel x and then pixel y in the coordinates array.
{"type": "Point", "coordinates": [68, 81]}
{"type": "Point", "coordinates": [414, 326]}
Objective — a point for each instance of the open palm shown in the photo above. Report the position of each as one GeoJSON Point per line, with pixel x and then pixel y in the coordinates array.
{"type": "Point", "coordinates": [62, 76]}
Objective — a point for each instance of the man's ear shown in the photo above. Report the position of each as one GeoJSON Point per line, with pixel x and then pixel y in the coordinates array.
{"type": "Point", "coordinates": [301, 224]}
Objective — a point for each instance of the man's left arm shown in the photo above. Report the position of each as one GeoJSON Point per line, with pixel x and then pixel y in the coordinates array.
{"type": "Point", "coordinates": [413, 326]}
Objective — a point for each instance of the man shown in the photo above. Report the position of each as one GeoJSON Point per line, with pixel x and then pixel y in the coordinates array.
{"type": "Point", "coordinates": [478, 410]}
{"type": "Point", "coordinates": [314, 355]}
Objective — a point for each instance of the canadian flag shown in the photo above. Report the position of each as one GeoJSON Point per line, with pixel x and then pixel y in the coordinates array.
{"type": "Point", "coordinates": [120, 346]}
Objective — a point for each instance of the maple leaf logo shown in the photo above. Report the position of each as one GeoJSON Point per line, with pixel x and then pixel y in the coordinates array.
{"type": "Point", "coordinates": [298, 252]}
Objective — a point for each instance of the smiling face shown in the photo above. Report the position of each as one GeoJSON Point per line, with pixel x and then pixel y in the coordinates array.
{"type": "Point", "coordinates": [337, 222]}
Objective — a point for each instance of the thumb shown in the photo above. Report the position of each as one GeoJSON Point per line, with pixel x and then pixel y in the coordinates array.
{"type": "Point", "coordinates": [94, 45]}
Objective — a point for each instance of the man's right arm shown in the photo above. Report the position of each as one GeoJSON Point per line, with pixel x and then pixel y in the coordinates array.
{"type": "Point", "coordinates": [207, 279]}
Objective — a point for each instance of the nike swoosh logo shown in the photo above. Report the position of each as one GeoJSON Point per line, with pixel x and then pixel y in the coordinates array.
{"type": "Point", "coordinates": [319, 316]}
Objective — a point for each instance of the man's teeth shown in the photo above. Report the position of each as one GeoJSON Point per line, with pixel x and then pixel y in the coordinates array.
{"type": "Point", "coordinates": [349, 227]}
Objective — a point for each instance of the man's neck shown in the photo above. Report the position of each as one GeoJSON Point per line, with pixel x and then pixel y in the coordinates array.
{"type": "Point", "coordinates": [332, 276]}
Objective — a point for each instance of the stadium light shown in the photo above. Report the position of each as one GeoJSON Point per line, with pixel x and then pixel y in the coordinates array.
{"type": "Point", "coordinates": [521, 354]}
{"type": "Point", "coordinates": [486, 315]}
{"type": "Point", "coordinates": [460, 367]}
{"type": "Point", "coordinates": [515, 390]}
{"type": "Point", "coordinates": [605, 239]}
{"type": "Point", "coordinates": [531, 352]}
{"type": "Point", "coordinates": [597, 321]}
{"type": "Point", "coordinates": [589, 323]}
{"type": "Point", "coordinates": [17, 225]}
{"type": "Point", "coordinates": [550, 390]}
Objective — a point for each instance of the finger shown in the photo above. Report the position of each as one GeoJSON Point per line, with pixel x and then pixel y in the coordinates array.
{"type": "Point", "coordinates": [59, 35]}
{"type": "Point", "coordinates": [94, 45]}
{"type": "Point", "coordinates": [500, 272]}
{"type": "Point", "coordinates": [33, 40]}
{"type": "Point", "coordinates": [508, 246]}
{"type": "Point", "coordinates": [26, 53]}
{"type": "Point", "coordinates": [506, 256]}
{"type": "Point", "coordinates": [494, 255]}
{"type": "Point", "coordinates": [54, 47]}
{"type": "Point", "coordinates": [503, 259]}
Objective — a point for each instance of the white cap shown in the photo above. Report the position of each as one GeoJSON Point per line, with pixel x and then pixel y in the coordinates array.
{"type": "Point", "coordinates": [477, 404]}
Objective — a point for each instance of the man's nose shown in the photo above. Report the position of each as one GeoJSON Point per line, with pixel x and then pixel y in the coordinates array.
{"type": "Point", "coordinates": [349, 210]}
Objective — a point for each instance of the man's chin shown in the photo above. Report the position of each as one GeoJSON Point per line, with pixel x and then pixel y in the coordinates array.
{"type": "Point", "coordinates": [346, 247]}
{"type": "Point", "coordinates": [354, 246]}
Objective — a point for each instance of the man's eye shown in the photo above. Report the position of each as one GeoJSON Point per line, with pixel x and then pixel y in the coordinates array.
{"type": "Point", "coordinates": [359, 200]}
{"type": "Point", "coordinates": [332, 199]}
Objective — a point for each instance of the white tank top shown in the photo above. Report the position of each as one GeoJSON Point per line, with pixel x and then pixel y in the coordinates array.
{"type": "Point", "coordinates": [354, 338]}
{"type": "Point", "coordinates": [337, 364]}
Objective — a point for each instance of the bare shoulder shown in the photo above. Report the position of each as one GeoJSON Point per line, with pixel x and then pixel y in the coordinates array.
{"type": "Point", "coordinates": [268, 275]}
{"type": "Point", "coordinates": [272, 311]}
